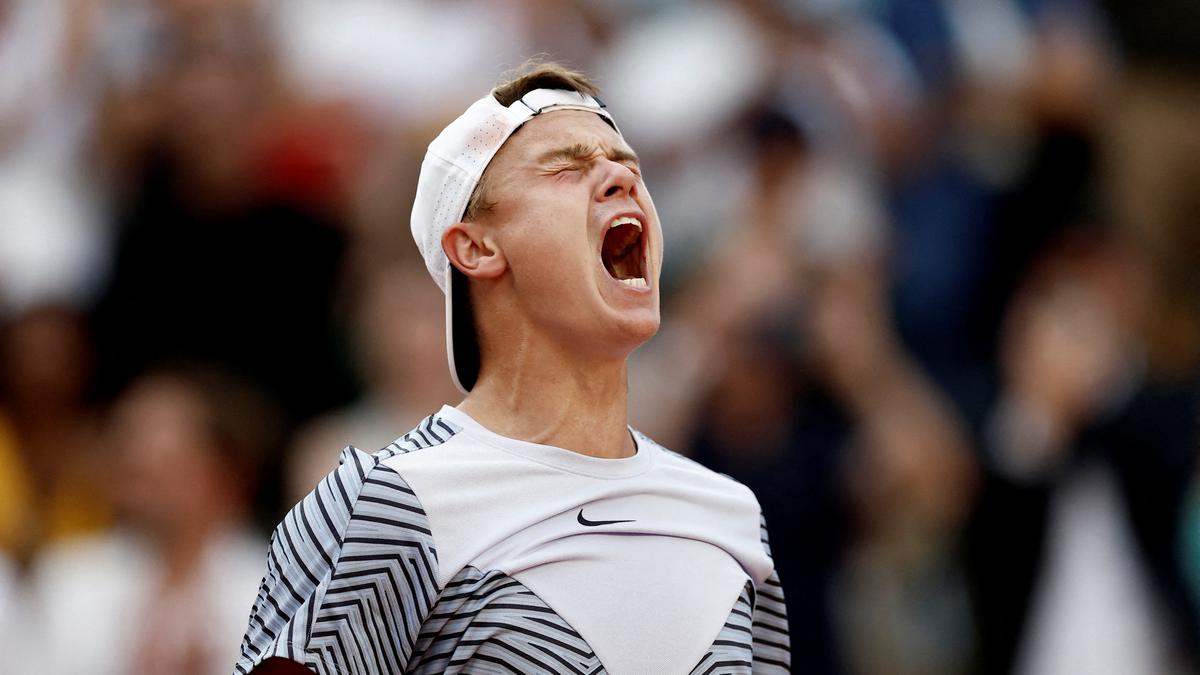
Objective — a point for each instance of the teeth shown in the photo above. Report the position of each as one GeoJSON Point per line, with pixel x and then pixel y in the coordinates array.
{"type": "Point", "coordinates": [626, 220]}
{"type": "Point", "coordinates": [636, 282]}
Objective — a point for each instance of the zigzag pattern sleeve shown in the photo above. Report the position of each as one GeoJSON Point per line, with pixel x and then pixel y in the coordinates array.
{"type": "Point", "coordinates": [340, 584]}
{"type": "Point", "coordinates": [772, 651]}
{"type": "Point", "coordinates": [384, 586]}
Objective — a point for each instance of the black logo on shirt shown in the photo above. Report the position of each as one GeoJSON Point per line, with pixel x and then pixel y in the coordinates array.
{"type": "Point", "coordinates": [596, 523]}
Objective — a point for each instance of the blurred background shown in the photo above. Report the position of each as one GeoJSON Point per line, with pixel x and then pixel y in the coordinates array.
{"type": "Point", "coordinates": [932, 289]}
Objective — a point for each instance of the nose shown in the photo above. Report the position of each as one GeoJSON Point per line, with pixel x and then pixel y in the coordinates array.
{"type": "Point", "coordinates": [616, 181]}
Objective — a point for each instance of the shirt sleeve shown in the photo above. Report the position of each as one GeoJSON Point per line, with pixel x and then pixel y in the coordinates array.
{"type": "Point", "coordinates": [351, 575]}
{"type": "Point", "coordinates": [772, 651]}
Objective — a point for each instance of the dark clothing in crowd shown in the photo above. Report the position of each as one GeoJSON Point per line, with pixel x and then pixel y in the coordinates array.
{"type": "Point", "coordinates": [252, 289]}
{"type": "Point", "coordinates": [1150, 448]}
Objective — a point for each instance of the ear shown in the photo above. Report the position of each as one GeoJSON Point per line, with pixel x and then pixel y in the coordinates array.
{"type": "Point", "coordinates": [472, 249]}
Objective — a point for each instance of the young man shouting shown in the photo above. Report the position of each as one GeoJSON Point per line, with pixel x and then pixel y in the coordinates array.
{"type": "Point", "coordinates": [529, 529]}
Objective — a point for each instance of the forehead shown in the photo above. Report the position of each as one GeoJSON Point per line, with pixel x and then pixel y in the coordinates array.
{"type": "Point", "coordinates": [557, 129]}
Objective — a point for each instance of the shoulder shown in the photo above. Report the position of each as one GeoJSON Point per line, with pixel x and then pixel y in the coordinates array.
{"type": "Point", "coordinates": [441, 454]}
{"type": "Point", "coordinates": [362, 493]}
{"type": "Point", "coordinates": [690, 470]}
{"type": "Point", "coordinates": [357, 546]}
{"type": "Point", "coordinates": [728, 506]}
{"type": "Point", "coordinates": [716, 486]}
{"type": "Point", "coordinates": [432, 431]}
{"type": "Point", "coordinates": [366, 488]}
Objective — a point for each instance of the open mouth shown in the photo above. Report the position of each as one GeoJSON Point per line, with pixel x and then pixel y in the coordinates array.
{"type": "Point", "coordinates": [622, 252]}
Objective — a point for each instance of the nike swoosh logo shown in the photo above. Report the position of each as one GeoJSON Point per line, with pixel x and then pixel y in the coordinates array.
{"type": "Point", "coordinates": [596, 523]}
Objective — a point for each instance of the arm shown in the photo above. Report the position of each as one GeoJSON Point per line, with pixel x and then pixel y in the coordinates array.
{"type": "Point", "coordinates": [300, 561]}
{"type": "Point", "coordinates": [356, 552]}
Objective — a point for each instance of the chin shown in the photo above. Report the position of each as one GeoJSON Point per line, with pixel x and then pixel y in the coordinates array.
{"type": "Point", "coordinates": [638, 327]}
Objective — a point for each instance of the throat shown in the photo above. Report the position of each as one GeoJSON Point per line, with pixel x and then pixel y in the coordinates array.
{"type": "Point", "coordinates": [582, 412]}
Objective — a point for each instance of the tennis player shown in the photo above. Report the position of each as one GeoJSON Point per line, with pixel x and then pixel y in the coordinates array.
{"type": "Point", "coordinates": [529, 529]}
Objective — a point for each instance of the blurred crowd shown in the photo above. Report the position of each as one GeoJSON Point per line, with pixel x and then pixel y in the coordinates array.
{"type": "Point", "coordinates": [931, 289]}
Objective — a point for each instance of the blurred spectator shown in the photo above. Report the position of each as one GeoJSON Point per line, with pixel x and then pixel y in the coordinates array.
{"type": "Point", "coordinates": [401, 349]}
{"type": "Point", "coordinates": [1003, 163]}
{"type": "Point", "coordinates": [53, 244]}
{"type": "Point", "coordinates": [48, 54]}
{"type": "Point", "coordinates": [1152, 162]}
{"type": "Point", "coordinates": [167, 591]}
{"type": "Point", "coordinates": [1075, 544]}
{"type": "Point", "coordinates": [910, 475]}
{"type": "Point", "coordinates": [213, 259]}
{"type": "Point", "coordinates": [48, 435]}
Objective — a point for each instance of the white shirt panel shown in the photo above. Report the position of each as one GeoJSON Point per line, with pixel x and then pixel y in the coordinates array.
{"type": "Point", "coordinates": [650, 605]}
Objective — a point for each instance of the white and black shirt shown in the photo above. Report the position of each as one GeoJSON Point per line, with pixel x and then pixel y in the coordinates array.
{"type": "Point", "coordinates": [455, 549]}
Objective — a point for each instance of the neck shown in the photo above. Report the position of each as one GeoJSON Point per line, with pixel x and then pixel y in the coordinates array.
{"type": "Point", "coordinates": [546, 395]}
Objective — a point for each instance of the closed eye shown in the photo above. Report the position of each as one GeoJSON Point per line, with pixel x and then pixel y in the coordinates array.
{"type": "Point", "coordinates": [563, 168]}
{"type": "Point", "coordinates": [582, 156]}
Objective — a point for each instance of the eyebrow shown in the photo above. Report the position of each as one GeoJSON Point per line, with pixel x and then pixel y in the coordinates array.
{"type": "Point", "coordinates": [583, 151]}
